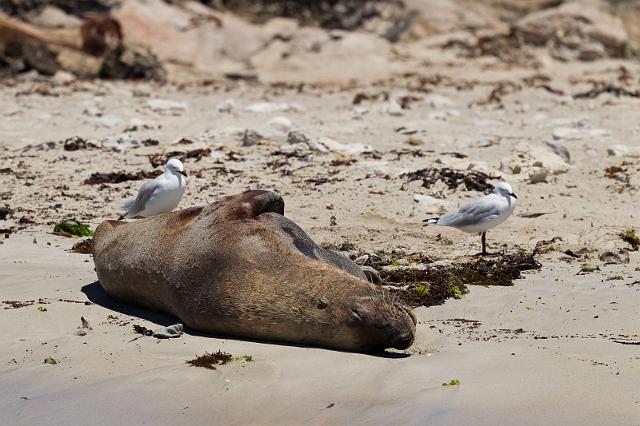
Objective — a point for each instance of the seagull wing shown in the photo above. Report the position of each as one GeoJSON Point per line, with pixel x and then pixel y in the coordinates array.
{"type": "Point", "coordinates": [473, 213]}
{"type": "Point", "coordinates": [133, 206]}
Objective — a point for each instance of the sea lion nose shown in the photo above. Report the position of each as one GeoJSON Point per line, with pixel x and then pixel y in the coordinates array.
{"type": "Point", "coordinates": [404, 341]}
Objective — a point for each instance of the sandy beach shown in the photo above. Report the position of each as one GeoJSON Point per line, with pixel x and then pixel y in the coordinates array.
{"type": "Point", "coordinates": [559, 346]}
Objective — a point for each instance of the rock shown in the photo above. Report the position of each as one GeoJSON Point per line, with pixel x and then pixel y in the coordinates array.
{"type": "Point", "coordinates": [444, 115]}
{"type": "Point", "coordinates": [120, 142]}
{"type": "Point", "coordinates": [273, 107]}
{"type": "Point", "coordinates": [478, 143]}
{"type": "Point", "coordinates": [62, 77]}
{"type": "Point", "coordinates": [613, 258]}
{"type": "Point", "coordinates": [538, 175]}
{"type": "Point", "coordinates": [560, 150]}
{"type": "Point", "coordinates": [226, 106]}
{"type": "Point", "coordinates": [438, 101]}
{"type": "Point", "coordinates": [169, 332]}
{"type": "Point", "coordinates": [251, 138]}
{"type": "Point", "coordinates": [352, 149]}
{"type": "Point", "coordinates": [575, 24]}
{"type": "Point", "coordinates": [296, 136]}
{"type": "Point", "coordinates": [280, 124]}
{"type": "Point", "coordinates": [392, 108]}
{"type": "Point", "coordinates": [577, 134]}
{"type": "Point", "coordinates": [166, 105]}
{"type": "Point", "coordinates": [620, 150]}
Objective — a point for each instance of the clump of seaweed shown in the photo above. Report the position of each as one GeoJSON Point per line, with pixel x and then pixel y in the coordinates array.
{"type": "Point", "coordinates": [434, 284]}
{"type": "Point", "coordinates": [142, 330]}
{"type": "Point", "coordinates": [82, 247]}
{"type": "Point", "coordinates": [72, 227]}
{"type": "Point", "coordinates": [211, 360]}
{"type": "Point", "coordinates": [629, 236]}
{"type": "Point", "coordinates": [472, 180]}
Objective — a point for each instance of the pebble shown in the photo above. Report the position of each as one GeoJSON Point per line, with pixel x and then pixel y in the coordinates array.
{"type": "Point", "coordinates": [166, 105]}
{"type": "Point", "coordinates": [280, 124]}
{"type": "Point", "coordinates": [226, 106]}
{"type": "Point", "coordinates": [392, 108]}
{"type": "Point", "coordinates": [273, 107]}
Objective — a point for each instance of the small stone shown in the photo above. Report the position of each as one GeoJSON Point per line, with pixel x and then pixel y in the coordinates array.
{"type": "Point", "coordinates": [414, 141]}
{"type": "Point", "coordinates": [165, 105]}
{"type": "Point", "coordinates": [50, 360]}
{"type": "Point", "coordinates": [226, 106]}
{"type": "Point", "coordinates": [538, 175]}
{"type": "Point", "coordinates": [272, 107]}
{"type": "Point", "coordinates": [560, 150]}
{"type": "Point", "coordinates": [438, 101]}
{"type": "Point", "coordinates": [251, 138]}
{"type": "Point", "coordinates": [613, 258]}
{"type": "Point", "coordinates": [280, 124]}
{"type": "Point", "coordinates": [392, 108]}
{"type": "Point", "coordinates": [169, 332]}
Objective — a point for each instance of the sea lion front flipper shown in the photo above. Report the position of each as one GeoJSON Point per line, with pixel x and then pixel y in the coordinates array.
{"type": "Point", "coordinates": [251, 204]}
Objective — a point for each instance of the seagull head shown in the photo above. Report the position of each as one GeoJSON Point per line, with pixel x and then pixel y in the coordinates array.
{"type": "Point", "coordinates": [504, 189]}
{"type": "Point", "coordinates": [175, 166]}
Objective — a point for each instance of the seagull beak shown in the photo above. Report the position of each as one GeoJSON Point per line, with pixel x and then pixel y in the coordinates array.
{"type": "Point", "coordinates": [514, 195]}
{"type": "Point", "coordinates": [183, 173]}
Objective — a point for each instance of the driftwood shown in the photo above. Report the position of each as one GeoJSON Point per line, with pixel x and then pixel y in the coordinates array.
{"type": "Point", "coordinates": [98, 34]}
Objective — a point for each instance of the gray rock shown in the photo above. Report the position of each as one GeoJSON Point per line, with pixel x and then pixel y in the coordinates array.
{"type": "Point", "coordinates": [613, 258]}
{"type": "Point", "coordinates": [560, 150]}
{"type": "Point", "coordinates": [166, 105]}
{"type": "Point", "coordinates": [251, 138]}
{"type": "Point", "coordinates": [169, 332]}
{"type": "Point", "coordinates": [226, 106]}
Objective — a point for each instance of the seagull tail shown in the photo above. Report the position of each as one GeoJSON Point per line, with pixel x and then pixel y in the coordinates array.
{"type": "Point", "coordinates": [430, 221]}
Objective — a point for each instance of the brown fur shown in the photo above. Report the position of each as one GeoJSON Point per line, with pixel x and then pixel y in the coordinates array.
{"type": "Point", "coordinates": [238, 267]}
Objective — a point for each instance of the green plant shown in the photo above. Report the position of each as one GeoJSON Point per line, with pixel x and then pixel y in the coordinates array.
{"type": "Point", "coordinates": [423, 289]}
{"type": "Point", "coordinates": [453, 382]}
{"type": "Point", "coordinates": [245, 358]}
{"type": "Point", "coordinates": [629, 236]}
{"type": "Point", "coordinates": [74, 227]}
{"type": "Point", "coordinates": [456, 292]}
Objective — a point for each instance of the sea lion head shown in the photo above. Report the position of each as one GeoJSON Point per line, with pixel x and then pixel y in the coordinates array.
{"type": "Point", "coordinates": [378, 322]}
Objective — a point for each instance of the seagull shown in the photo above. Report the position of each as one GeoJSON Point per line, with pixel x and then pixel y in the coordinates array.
{"type": "Point", "coordinates": [482, 214]}
{"type": "Point", "coordinates": [160, 195]}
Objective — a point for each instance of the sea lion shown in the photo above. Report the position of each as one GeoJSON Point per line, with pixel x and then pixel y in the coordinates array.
{"type": "Point", "coordinates": [239, 267]}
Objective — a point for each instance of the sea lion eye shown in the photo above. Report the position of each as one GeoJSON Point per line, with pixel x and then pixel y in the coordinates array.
{"type": "Point", "coordinates": [355, 315]}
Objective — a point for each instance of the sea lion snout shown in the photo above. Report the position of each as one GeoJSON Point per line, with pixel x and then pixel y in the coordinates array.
{"type": "Point", "coordinates": [384, 323]}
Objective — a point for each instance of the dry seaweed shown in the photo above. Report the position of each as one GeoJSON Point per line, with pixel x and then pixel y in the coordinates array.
{"type": "Point", "coordinates": [472, 180]}
{"type": "Point", "coordinates": [119, 177]}
{"type": "Point", "coordinates": [15, 304]}
{"type": "Point", "coordinates": [629, 236]}
{"type": "Point", "coordinates": [600, 87]}
{"type": "Point", "coordinates": [211, 360]}
{"type": "Point", "coordinates": [5, 212]}
{"type": "Point", "coordinates": [82, 247]}
{"type": "Point", "coordinates": [435, 284]}
{"type": "Point", "coordinates": [77, 143]}
{"type": "Point", "coordinates": [142, 330]}
{"type": "Point", "coordinates": [158, 160]}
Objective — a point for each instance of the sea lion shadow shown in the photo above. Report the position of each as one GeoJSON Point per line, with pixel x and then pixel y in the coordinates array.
{"type": "Point", "coordinates": [96, 294]}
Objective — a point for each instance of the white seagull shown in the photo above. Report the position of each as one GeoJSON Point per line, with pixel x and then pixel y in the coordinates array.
{"type": "Point", "coordinates": [482, 214]}
{"type": "Point", "coordinates": [160, 195]}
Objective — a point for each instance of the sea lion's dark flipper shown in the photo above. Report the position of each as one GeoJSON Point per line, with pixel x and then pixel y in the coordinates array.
{"type": "Point", "coordinates": [251, 204]}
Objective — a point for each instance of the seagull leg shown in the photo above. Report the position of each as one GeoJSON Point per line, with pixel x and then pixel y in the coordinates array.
{"type": "Point", "coordinates": [484, 243]}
